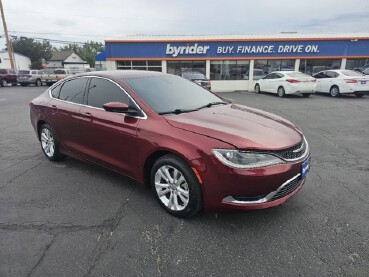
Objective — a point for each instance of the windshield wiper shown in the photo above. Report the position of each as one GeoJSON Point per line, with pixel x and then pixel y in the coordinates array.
{"type": "Point", "coordinates": [212, 104]}
{"type": "Point", "coordinates": [178, 111]}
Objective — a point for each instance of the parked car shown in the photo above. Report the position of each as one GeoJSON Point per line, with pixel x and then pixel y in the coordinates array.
{"type": "Point", "coordinates": [8, 76]}
{"type": "Point", "coordinates": [197, 78]}
{"type": "Point", "coordinates": [54, 76]}
{"type": "Point", "coordinates": [286, 82]}
{"type": "Point", "coordinates": [27, 77]}
{"type": "Point", "coordinates": [194, 149]}
{"type": "Point", "coordinates": [337, 82]}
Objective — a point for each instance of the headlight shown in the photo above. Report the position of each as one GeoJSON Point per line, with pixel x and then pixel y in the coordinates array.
{"type": "Point", "coordinates": [245, 160]}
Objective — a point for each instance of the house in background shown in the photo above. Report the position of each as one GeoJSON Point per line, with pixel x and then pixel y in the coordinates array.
{"type": "Point", "coordinates": [68, 60]}
{"type": "Point", "coordinates": [21, 62]}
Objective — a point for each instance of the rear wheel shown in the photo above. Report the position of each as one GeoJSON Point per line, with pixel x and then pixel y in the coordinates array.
{"type": "Point", "coordinates": [358, 94]}
{"type": "Point", "coordinates": [334, 91]}
{"type": "Point", "coordinates": [175, 186]}
{"type": "Point", "coordinates": [306, 94]}
{"type": "Point", "coordinates": [281, 92]}
{"type": "Point", "coordinates": [38, 83]}
{"type": "Point", "coordinates": [257, 88]}
{"type": "Point", "coordinates": [49, 144]}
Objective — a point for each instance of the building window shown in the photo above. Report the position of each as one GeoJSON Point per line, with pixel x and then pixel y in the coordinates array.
{"type": "Point", "coordinates": [313, 66]}
{"type": "Point", "coordinates": [269, 66]}
{"type": "Point", "coordinates": [229, 70]}
{"type": "Point", "coordinates": [357, 64]}
{"type": "Point", "coordinates": [139, 65]}
{"type": "Point", "coordinates": [178, 67]}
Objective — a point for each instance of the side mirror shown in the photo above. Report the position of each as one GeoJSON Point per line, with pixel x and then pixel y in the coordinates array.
{"type": "Point", "coordinates": [118, 107]}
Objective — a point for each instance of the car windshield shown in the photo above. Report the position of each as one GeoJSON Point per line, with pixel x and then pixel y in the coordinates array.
{"type": "Point", "coordinates": [297, 75]}
{"type": "Point", "coordinates": [351, 73]}
{"type": "Point", "coordinates": [23, 72]}
{"type": "Point", "coordinates": [172, 94]}
{"type": "Point", "coordinates": [193, 75]}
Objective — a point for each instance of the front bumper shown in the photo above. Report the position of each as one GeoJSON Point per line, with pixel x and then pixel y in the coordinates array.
{"type": "Point", "coordinates": [227, 188]}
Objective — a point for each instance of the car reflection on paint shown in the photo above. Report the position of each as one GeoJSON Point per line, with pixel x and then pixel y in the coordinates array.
{"type": "Point", "coordinates": [195, 150]}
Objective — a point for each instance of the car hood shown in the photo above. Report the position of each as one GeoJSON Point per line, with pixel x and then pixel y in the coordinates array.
{"type": "Point", "coordinates": [241, 126]}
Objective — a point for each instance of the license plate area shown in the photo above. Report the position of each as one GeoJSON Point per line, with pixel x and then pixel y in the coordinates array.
{"type": "Point", "coordinates": [305, 168]}
{"type": "Point", "coordinates": [363, 82]}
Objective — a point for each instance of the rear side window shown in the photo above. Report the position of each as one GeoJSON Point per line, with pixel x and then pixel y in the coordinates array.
{"type": "Point", "coordinates": [331, 74]}
{"type": "Point", "coordinates": [55, 91]}
{"type": "Point", "coordinates": [102, 91]}
{"type": "Point", "coordinates": [72, 90]}
{"type": "Point", "coordinates": [24, 72]}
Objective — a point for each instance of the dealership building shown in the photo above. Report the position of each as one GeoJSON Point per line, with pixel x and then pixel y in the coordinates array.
{"type": "Point", "coordinates": [235, 62]}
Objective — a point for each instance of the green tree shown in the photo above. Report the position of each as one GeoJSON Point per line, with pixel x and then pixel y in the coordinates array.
{"type": "Point", "coordinates": [35, 50]}
{"type": "Point", "coordinates": [86, 51]}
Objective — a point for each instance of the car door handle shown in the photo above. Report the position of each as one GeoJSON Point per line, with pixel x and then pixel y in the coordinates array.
{"type": "Point", "coordinates": [87, 114]}
{"type": "Point", "coordinates": [53, 107]}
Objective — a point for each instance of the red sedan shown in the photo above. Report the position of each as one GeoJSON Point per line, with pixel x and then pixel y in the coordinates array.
{"type": "Point", "coordinates": [194, 149]}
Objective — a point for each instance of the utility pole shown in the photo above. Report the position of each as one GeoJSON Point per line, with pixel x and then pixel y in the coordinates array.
{"type": "Point", "coordinates": [8, 44]}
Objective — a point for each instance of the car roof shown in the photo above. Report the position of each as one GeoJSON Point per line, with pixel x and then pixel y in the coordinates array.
{"type": "Point", "coordinates": [122, 74]}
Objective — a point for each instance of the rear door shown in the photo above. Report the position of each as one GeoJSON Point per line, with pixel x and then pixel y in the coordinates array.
{"type": "Point", "coordinates": [108, 138]}
{"type": "Point", "coordinates": [64, 112]}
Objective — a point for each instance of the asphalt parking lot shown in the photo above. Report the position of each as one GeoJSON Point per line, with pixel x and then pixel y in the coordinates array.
{"type": "Point", "coordinates": [74, 219]}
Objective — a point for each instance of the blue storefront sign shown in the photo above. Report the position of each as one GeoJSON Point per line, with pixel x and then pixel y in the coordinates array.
{"type": "Point", "coordinates": [237, 50]}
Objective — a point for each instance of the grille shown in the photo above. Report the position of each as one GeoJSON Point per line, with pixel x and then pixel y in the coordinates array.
{"type": "Point", "coordinates": [287, 189]}
{"type": "Point", "coordinates": [293, 153]}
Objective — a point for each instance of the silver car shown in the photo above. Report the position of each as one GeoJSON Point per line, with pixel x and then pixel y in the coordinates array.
{"type": "Point", "coordinates": [27, 77]}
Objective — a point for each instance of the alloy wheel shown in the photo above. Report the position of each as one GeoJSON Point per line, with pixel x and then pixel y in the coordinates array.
{"type": "Point", "coordinates": [47, 142]}
{"type": "Point", "coordinates": [172, 188]}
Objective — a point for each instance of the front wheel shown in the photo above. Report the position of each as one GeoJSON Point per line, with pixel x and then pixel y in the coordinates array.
{"type": "Point", "coordinates": [38, 83]}
{"type": "Point", "coordinates": [257, 88]}
{"type": "Point", "coordinates": [49, 144]}
{"type": "Point", "coordinates": [176, 187]}
{"type": "Point", "coordinates": [334, 91]}
{"type": "Point", "coordinates": [4, 83]}
{"type": "Point", "coordinates": [281, 92]}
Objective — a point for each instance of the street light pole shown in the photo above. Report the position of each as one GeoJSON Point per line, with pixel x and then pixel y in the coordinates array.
{"type": "Point", "coordinates": [8, 45]}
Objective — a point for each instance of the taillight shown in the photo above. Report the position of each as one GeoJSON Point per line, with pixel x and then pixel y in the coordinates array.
{"type": "Point", "coordinates": [293, 81]}
{"type": "Point", "coordinates": [350, 81]}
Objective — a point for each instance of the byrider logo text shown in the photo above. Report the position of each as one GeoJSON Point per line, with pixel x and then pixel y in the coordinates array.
{"type": "Point", "coordinates": [194, 49]}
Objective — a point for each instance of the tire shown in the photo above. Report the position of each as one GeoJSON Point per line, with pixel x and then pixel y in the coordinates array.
{"type": "Point", "coordinates": [38, 83]}
{"type": "Point", "coordinates": [334, 91]}
{"type": "Point", "coordinates": [257, 88]}
{"type": "Point", "coordinates": [359, 95]}
{"type": "Point", "coordinates": [281, 92]}
{"type": "Point", "coordinates": [3, 83]}
{"type": "Point", "coordinates": [306, 95]}
{"type": "Point", "coordinates": [176, 187]}
{"type": "Point", "coordinates": [49, 144]}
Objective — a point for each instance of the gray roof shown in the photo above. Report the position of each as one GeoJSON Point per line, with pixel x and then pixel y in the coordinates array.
{"type": "Point", "coordinates": [60, 55]}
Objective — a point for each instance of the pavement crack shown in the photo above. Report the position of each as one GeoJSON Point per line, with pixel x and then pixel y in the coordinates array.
{"type": "Point", "coordinates": [105, 236]}
{"type": "Point", "coordinates": [43, 255]}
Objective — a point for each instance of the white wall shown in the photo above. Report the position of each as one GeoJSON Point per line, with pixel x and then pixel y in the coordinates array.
{"type": "Point", "coordinates": [21, 62]}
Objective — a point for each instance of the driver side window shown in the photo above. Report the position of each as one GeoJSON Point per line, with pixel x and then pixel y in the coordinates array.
{"type": "Point", "coordinates": [102, 91]}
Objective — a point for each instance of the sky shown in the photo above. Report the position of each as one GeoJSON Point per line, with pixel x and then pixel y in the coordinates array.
{"type": "Point", "coordinates": [82, 20]}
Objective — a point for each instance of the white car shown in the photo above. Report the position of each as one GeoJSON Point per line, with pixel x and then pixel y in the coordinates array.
{"type": "Point", "coordinates": [286, 82]}
{"type": "Point", "coordinates": [337, 82]}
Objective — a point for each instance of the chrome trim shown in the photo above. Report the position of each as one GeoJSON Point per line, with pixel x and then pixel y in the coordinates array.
{"type": "Point", "coordinates": [61, 82]}
{"type": "Point", "coordinates": [301, 157]}
{"type": "Point", "coordinates": [231, 200]}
